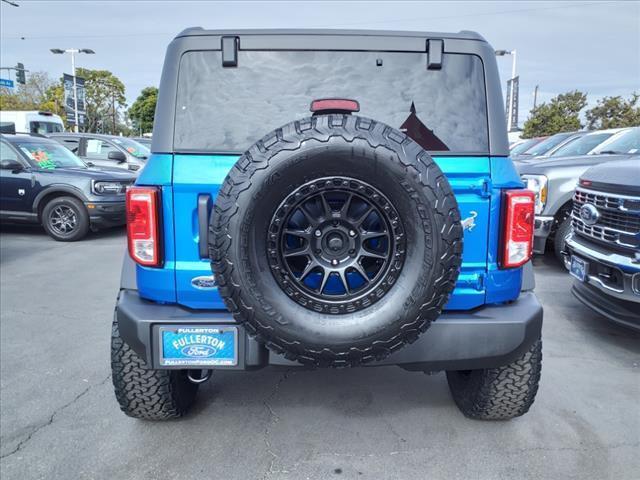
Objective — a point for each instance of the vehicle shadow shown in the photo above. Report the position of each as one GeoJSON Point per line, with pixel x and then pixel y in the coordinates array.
{"type": "Point", "coordinates": [355, 392]}
{"type": "Point", "coordinates": [36, 232]}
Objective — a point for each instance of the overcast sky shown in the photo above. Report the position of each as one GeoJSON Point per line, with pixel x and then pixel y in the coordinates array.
{"type": "Point", "coordinates": [591, 46]}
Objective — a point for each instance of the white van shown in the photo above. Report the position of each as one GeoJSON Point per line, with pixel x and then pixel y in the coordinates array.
{"type": "Point", "coordinates": [31, 121]}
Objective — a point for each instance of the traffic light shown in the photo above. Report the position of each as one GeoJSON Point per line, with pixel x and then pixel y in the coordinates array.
{"type": "Point", "coordinates": [20, 76]}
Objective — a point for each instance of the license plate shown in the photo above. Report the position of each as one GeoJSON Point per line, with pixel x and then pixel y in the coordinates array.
{"type": "Point", "coordinates": [578, 268]}
{"type": "Point", "coordinates": [198, 346]}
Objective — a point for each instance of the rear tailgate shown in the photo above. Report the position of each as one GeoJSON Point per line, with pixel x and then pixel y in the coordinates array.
{"type": "Point", "coordinates": [197, 175]}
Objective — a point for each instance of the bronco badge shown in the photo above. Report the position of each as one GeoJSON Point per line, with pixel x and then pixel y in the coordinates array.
{"type": "Point", "coordinates": [469, 223]}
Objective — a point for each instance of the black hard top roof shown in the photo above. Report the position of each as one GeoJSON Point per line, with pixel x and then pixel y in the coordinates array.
{"type": "Point", "coordinates": [200, 32]}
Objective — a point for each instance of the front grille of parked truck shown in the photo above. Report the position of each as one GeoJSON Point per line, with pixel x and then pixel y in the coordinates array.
{"type": "Point", "coordinates": [617, 220]}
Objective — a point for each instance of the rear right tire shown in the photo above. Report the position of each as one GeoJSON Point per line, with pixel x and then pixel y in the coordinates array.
{"type": "Point", "coordinates": [498, 393]}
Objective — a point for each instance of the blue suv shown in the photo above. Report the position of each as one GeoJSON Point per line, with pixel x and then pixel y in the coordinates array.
{"type": "Point", "coordinates": [328, 199]}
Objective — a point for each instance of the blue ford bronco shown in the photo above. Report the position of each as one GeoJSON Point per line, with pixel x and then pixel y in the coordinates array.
{"type": "Point", "coordinates": [321, 198]}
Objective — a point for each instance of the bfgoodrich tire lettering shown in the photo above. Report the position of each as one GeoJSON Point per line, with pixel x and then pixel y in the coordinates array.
{"type": "Point", "coordinates": [146, 393]}
{"type": "Point", "coordinates": [335, 147]}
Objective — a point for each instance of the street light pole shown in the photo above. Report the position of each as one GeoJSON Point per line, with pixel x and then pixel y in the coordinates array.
{"type": "Point", "coordinates": [512, 99]}
{"type": "Point", "coordinates": [73, 51]}
{"type": "Point", "coordinates": [75, 89]}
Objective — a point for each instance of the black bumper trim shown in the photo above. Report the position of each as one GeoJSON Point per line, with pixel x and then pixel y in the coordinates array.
{"type": "Point", "coordinates": [619, 311]}
{"type": "Point", "coordinates": [107, 214]}
{"type": "Point", "coordinates": [488, 337]}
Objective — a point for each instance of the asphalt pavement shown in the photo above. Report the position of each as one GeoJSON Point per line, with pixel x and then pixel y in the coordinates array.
{"type": "Point", "coordinates": [59, 418]}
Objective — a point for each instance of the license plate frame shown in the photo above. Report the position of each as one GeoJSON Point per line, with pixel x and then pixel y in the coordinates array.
{"type": "Point", "coordinates": [197, 346]}
{"type": "Point", "coordinates": [578, 268]}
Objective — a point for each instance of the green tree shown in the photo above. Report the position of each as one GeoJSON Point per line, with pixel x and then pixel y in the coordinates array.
{"type": "Point", "coordinates": [614, 112]}
{"type": "Point", "coordinates": [53, 100]}
{"type": "Point", "coordinates": [561, 114]}
{"type": "Point", "coordinates": [104, 98]}
{"type": "Point", "coordinates": [143, 110]}
{"type": "Point", "coordinates": [30, 96]}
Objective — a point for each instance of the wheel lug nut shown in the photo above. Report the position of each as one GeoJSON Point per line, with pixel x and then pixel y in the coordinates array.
{"type": "Point", "coordinates": [318, 251]}
{"type": "Point", "coordinates": [318, 233]}
{"type": "Point", "coordinates": [352, 233]}
{"type": "Point", "coordinates": [334, 262]}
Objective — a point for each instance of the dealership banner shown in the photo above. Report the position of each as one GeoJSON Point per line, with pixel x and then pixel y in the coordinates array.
{"type": "Point", "coordinates": [69, 104]}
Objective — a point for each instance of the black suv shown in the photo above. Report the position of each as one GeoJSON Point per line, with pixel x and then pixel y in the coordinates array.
{"type": "Point", "coordinates": [43, 182]}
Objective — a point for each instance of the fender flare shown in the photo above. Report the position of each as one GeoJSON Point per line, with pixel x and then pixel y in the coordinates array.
{"type": "Point", "coordinates": [55, 188]}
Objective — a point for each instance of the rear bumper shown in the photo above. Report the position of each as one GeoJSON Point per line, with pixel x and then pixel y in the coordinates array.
{"type": "Point", "coordinates": [487, 337]}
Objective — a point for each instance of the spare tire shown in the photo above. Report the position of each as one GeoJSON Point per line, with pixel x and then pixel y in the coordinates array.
{"type": "Point", "coordinates": [335, 240]}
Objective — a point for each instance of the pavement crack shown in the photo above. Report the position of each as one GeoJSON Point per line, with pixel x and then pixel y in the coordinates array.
{"type": "Point", "coordinates": [52, 417]}
{"type": "Point", "coordinates": [273, 419]}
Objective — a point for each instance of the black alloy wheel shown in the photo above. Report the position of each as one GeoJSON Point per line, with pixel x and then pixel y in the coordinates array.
{"type": "Point", "coordinates": [334, 242]}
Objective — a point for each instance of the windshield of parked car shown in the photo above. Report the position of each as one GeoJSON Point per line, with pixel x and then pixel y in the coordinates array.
{"type": "Point", "coordinates": [627, 142]}
{"type": "Point", "coordinates": [226, 110]}
{"type": "Point", "coordinates": [547, 144]}
{"type": "Point", "coordinates": [583, 145]}
{"type": "Point", "coordinates": [143, 141]}
{"type": "Point", "coordinates": [524, 146]}
{"type": "Point", "coordinates": [134, 148]}
{"type": "Point", "coordinates": [48, 155]}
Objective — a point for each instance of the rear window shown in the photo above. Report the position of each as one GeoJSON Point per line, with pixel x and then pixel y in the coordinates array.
{"type": "Point", "coordinates": [228, 109]}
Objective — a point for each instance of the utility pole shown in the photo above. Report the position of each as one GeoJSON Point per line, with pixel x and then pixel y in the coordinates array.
{"type": "Point", "coordinates": [113, 110]}
{"type": "Point", "coordinates": [535, 96]}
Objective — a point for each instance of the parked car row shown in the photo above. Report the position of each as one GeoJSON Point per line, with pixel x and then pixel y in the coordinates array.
{"type": "Point", "coordinates": [105, 150]}
{"type": "Point", "coordinates": [587, 209]}
{"type": "Point", "coordinates": [553, 179]}
{"type": "Point", "coordinates": [603, 244]}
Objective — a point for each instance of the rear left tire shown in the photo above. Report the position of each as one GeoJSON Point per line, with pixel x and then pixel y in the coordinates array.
{"type": "Point", "coordinates": [146, 393]}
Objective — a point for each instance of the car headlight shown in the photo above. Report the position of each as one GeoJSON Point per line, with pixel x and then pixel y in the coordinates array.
{"type": "Point", "coordinates": [538, 185]}
{"type": "Point", "coordinates": [109, 188]}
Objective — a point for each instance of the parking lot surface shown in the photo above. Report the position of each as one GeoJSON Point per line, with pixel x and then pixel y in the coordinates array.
{"type": "Point", "coordinates": [59, 417]}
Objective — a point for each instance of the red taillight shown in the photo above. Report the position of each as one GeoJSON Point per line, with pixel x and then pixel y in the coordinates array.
{"type": "Point", "coordinates": [338, 105]}
{"type": "Point", "coordinates": [143, 228]}
{"type": "Point", "coordinates": [517, 228]}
